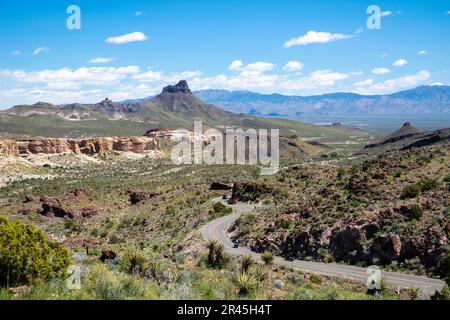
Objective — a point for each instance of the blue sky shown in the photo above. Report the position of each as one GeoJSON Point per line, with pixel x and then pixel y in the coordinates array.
{"type": "Point", "coordinates": [130, 49]}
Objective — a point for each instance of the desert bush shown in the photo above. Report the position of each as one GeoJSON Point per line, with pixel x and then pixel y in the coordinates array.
{"type": "Point", "coordinates": [27, 255]}
{"type": "Point", "coordinates": [217, 258]}
{"type": "Point", "coordinates": [428, 184]}
{"type": "Point", "coordinates": [315, 279]}
{"type": "Point", "coordinates": [103, 284]}
{"type": "Point", "coordinates": [416, 212]}
{"type": "Point", "coordinates": [267, 258]}
{"type": "Point", "coordinates": [221, 209]}
{"type": "Point", "coordinates": [414, 293]}
{"type": "Point", "coordinates": [341, 172]}
{"type": "Point", "coordinates": [411, 191]}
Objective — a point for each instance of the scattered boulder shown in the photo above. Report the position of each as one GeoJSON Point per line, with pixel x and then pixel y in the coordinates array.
{"type": "Point", "coordinates": [386, 248]}
{"type": "Point", "coordinates": [250, 191]}
{"type": "Point", "coordinates": [279, 284]}
{"type": "Point", "coordinates": [216, 185]}
{"type": "Point", "coordinates": [139, 196]}
{"type": "Point", "coordinates": [347, 244]}
{"type": "Point", "coordinates": [90, 211]}
{"type": "Point", "coordinates": [108, 254]}
{"type": "Point", "coordinates": [52, 207]}
{"type": "Point", "coordinates": [29, 198]}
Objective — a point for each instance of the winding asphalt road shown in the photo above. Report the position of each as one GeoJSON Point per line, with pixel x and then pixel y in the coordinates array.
{"type": "Point", "coordinates": [217, 230]}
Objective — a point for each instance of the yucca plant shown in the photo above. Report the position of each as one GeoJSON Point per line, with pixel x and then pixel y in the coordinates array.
{"type": "Point", "coordinates": [134, 262]}
{"type": "Point", "coordinates": [246, 262]}
{"type": "Point", "coordinates": [267, 258]}
{"type": "Point", "coordinates": [217, 258]}
{"type": "Point", "coordinates": [245, 283]}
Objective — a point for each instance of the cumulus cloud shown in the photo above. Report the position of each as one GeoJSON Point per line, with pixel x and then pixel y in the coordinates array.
{"type": "Point", "coordinates": [380, 71]}
{"type": "Point", "coordinates": [315, 37]}
{"type": "Point", "coordinates": [101, 60]}
{"type": "Point", "coordinates": [363, 83]}
{"type": "Point", "coordinates": [127, 38]}
{"type": "Point", "coordinates": [159, 76]}
{"type": "Point", "coordinates": [138, 13]}
{"type": "Point", "coordinates": [40, 50]}
{"type": "Point", "coordinates": [422, 52]}
{"type": "Point", "coordinates": [82, 76]}
{"type": "Point", "coordinates": [293, 66]}
{"type": "Point", "coordinates": [400, 63]}
{"type": "Point", "coordinates": [235, 65]}
{"type": "Point", "coordinates": [401, 82]}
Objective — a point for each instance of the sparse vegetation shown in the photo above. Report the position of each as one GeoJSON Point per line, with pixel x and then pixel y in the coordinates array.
{"type": "Point", "coordinates": [267, 258]}
{"type": "Point", "coordinates": [217, 257]}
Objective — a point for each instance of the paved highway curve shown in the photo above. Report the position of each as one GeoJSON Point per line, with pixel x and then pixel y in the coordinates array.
{"type": "Point", "coordinates": [217, 230]}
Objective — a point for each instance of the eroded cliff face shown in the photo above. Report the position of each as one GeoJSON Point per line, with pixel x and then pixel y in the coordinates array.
{"type": "Point", "coordinates": [24, 148]}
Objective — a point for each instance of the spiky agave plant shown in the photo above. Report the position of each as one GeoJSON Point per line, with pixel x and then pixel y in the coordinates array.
{"type": "Point", "coordinates": [267, 258]}
{"type": "Point", "coordinates": [217, 257]}
{"type": "Point", "coordinates": [245, 283]}
{"type": "Point", "coordinates": [246, 262]}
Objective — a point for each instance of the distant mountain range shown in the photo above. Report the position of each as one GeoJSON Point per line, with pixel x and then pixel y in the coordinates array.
{"type": "Point", "coordinates": [423, 99]}
{"type": "Point", "coordinates": [175, 107]}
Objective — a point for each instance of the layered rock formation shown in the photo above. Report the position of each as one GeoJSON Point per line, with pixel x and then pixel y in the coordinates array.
{"type": "Point", "coordinates": [24, 148]}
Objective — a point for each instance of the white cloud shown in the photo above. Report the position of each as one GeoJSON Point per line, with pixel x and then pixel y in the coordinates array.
{"type": "Point", "coordinates": [448, 12]}
{"type": "Point", "coordinates": [82, 76]}
{"type": "Point", "coordinates": [401, 82]}
{"type": "Point", "coordinates": [40, 50]}
{"type": "Point", "coordinates": [236, 65]}
{"type": "Point", "coordinates": [16, 53]}
{"type": "Point", "coordinates": [437, 84]}
{"type": "Point", "coordinates": [138, 13]}
{"type": "Point", "coordinates": [400, 63]}
{"type": "Point", "coordinates": [386, 13]}
{"type": "Point", "coordinates": [315, 37]}
{"type": "Point", "coordinates": [380, 71]}
{"type": "Point", "coordinates": [384, 55]}
{"type": "Point", "coordinates": [422, 52]}
{"type": "Point", "coordinates": [363, 83]}
{"type": "Point", "coordinates": [159, 76]}
{"type": "Point", "coordinates": [259, 66]}
{"type": "Point", "coordinates": [101, 60]}
{"type": "Point", "coordinates": [293, 66]}
{"type": "Point", "coordinates": [127, 38]}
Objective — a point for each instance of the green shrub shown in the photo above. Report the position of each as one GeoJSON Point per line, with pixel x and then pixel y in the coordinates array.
{"type": "Point", "coordinates": [220, 208]}
{"type": "Point", "coordinates": [428, 184]}
{"type": "Point", "coordinates": [27, 255]}
{"type": "Point", "coordinates": [267, 258]}
{"type": "Point", "coordinates": [341, 172]}
{"type": "Point", "coordinates": [315, 279]}
{"type": "Point", "coordinates": [414, 293]}
{"type": "Point", "coordinates": [416, 212]}
{"type": "Point", "coordinates": [447, 178]}
{"type": "Point", "coordinates": [411, 191]}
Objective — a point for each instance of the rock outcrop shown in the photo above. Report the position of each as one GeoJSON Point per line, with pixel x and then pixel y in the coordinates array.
{"type": "Point", "coordinates": [24, 148]}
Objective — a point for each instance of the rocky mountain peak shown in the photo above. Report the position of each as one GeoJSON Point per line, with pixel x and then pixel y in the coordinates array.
{"type": "Point", "coordinates": [181, 87]}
